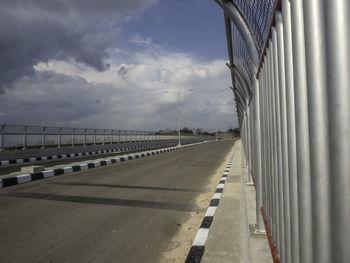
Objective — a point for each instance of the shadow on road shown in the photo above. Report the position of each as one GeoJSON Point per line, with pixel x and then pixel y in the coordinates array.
{"type": "Point", "coordinates": [107, 201]}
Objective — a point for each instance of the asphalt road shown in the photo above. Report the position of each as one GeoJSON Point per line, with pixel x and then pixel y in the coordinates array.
{"type": "Point", "coordinates": [126, 212]}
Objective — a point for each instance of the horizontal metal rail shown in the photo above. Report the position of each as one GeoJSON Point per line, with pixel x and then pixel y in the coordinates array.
{"type": "Point", "coordinates": [24, 136]}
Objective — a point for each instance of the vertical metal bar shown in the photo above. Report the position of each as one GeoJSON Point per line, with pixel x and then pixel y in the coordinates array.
{"type": "Point", "coordinates": [2, 138]}
{"type": "Point", "coordinates": [59, 138]}
{"type": "Point", "coordinates": [95, 137]}
{"type": "Point", "coordinates": [73, 131]}
{"type": "Point", "coordinates": [337, 36]}
{"type": "Point", "coordinates": [104, 137]}
{"type": "Point", "coordinates": [284, 137]}
{"type": "Point", "coordinates": [271, 151]}
{"type": "Point", "coordinates": [281, 248]}
{"type": "Point", "coordinates": [315, 51]}
{"type": "Point", "coordinates": [260, 223]}
{"type": "Point", "coordinates": [43, 138]}
{"type": "Point", "coordinates": [84, 137]}
{"type": "Point", "coordinates": [25, 137]}
{"type": "Point", "coordinates": [269, 165]}
{"type": "Point", "coordinates": [290, 110]}
{"type": "Point", "coordinates": [274, 155]}
{"type": "Point", "coordinates": [302, 132]}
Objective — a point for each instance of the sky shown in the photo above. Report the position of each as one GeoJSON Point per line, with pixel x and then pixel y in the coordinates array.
{"type": "Point", "coordinates": [114, 64]}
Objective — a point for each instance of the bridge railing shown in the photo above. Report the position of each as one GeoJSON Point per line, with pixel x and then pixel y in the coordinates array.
{"type": "Point", "coordinates": [294, 117]}
{"type": "Point", "coordinates": [31, 136]}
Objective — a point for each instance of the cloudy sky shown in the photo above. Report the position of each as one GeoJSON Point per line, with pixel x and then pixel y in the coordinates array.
{"type": "Point", "coordinates": [114, 64]}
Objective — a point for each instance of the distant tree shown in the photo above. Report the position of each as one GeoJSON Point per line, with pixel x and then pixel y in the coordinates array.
{"type": "Point", "coordinates": [186, 130]}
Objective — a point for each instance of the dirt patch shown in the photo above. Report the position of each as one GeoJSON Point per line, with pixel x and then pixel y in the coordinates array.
{"type": "Point", "coordinates": [182, 241]}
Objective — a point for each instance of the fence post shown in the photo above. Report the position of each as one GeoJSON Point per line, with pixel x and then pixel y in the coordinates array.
{"type": "Point", "coordinates": [59, 138]}
{"type": "Point", "coordinates": [84, 137]}
{"type": "Point", "coordinates": [2, 138]}
{"type": "Point", "coordinates": [95, 136]}
{"type": "Point", "coordinates": [43, 138]}
{"type": "Point", "coordinates": [25, 137]}
{"type": "Point", "coordinates": [73, 131]}
{"type": "Point", "coordinates": [104, 137]}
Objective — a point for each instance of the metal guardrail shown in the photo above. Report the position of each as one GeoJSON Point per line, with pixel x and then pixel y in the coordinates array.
{"type": "Point", "coordinates": [31, 136]}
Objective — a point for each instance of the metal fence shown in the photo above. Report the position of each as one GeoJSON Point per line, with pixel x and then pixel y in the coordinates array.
{"type": "Point", "coordinates": [29, 136]}
{"type": "Point", "coordinates": [294, 114]}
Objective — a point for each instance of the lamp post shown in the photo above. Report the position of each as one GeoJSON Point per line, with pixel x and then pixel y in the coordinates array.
{"type": "Point", "coordinates": [178, 113]}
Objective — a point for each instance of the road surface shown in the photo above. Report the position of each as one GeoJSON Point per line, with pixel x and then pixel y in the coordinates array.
{"type": "Point", "coordinates": [126, 212]}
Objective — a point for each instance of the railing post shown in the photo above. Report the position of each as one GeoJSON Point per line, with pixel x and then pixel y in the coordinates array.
{"type": "Point", "coordinates": [2, 137]}
{"type": "Point", "coordinates": [258, 174]}
{"type": "Point", "coordinates": [59, 138]}
{"type": "Point", "coordinates": [73, 131]}
{"type": "Point", "coordinates": [104, 137]}
{"type": "Point", "coordinates": [95, 136]}
{"type": "Point", "coordinates": [25, 137]}
{"type": "Point", "coordinates": [43, 138]}
{"type": "Point", "coordinates": [85, 137]}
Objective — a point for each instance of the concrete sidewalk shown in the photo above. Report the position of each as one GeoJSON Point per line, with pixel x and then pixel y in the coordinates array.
{"type": "Point", "coordinates": [229, 239]}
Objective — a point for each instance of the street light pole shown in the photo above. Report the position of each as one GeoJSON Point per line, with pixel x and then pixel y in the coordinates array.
{"type": "Point", "coordinates": [178, 115]}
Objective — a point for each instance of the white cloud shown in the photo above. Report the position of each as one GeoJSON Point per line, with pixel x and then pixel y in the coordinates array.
{"type": "Point", "coordinates": [130, 95]}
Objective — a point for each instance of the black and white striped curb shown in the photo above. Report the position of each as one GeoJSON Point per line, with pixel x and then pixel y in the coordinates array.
{"type": "Point", "coordinates": [62, 156]}
{"type": "Point", "coordinates": [25, 178]}
{"type": "Point", "coordinates": [197, 250]}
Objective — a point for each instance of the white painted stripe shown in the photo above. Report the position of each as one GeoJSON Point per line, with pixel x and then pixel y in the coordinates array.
{"type": "Point", "coordinates": [64, 156]}
{"type": "Point", "coordinates": [108, 162]}
{"type": "Point", "coordinates": [98, 152]}
{"type": "Point", "coordinates": [87, 153]}
{"type": "Point", "coordinates": [24, 178]}
{"type": "Point", "coordinates": [80, 154]}
{"type": "Point", "coordinates": [48, 173]}
{"type": "Point", "coordinates": [201, 237]}
{"type": "Point", "coordinates": [117, 160]}
{"type": "Point", "coordinates": [220, 186]}
{"type": "Point", "coordinates": [54, 156]}
{"type": "Point", "coordinates": [84, 166]}
{"type": "Point", "coordinates": [67, 170]}
{"type": "Point", "coordinates": [97, 164]}
{"type": "Point", "coordinates": [0, 183]}
{"type": "Point", "coordinates": [223, 178]}
{"type": "Point", "coordinates": [225, 173]}
{"type": "Point", "coordinates": [211, 211]}
{"type": "Point", "coordinates": [72, 155]}
{"type": "Point", "coordinates": [32, 159]}
{"type": "Point", "coordinates": [19, 161]}
{"type": "Point", "coordinates": [43, 158]}
{"type": "Point", "coordinates": [216, 196]}
{"type": "Point", "coordinates": [104, 151]}
{"type": "Point", "coordinates": [5, 162]}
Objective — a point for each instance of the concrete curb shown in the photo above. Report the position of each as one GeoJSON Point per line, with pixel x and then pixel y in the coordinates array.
{"type": "Point", "coordinates": [25, 178]}
{"type": "Point", "coordinates": [197, 250]}
{"type": "Point", "coordinates": [63, 156]}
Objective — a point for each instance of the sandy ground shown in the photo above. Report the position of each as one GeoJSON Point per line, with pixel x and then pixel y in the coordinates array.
{"type": "Point", "coordinates": [182, 241]}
